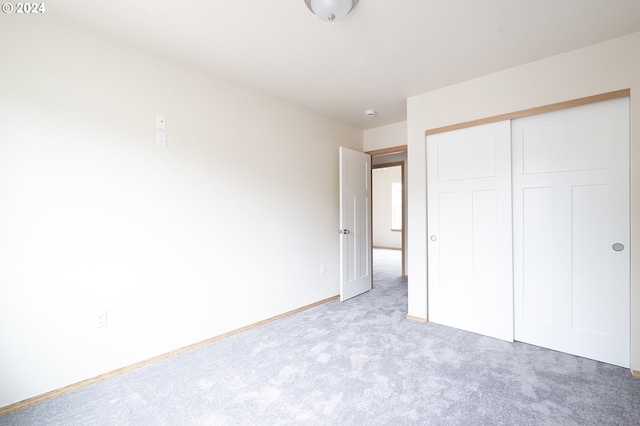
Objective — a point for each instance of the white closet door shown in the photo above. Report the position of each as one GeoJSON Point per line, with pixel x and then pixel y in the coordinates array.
{"type": "Point", "coordinates": [571, 209]}
{"type": "Point", "coordinates": [469, 226]}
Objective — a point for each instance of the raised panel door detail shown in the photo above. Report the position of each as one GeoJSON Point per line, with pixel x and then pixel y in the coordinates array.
{"type": "Point", "coordinates": [590, 254]}
{"type": "Point", "coordinates": [565, 147]}
{"type": "Point", "coordinates": [485, 250]}
{"type": "Point", "coordinates": [467, 158]}
{"type": "Point", "coordinates": [536, 296]}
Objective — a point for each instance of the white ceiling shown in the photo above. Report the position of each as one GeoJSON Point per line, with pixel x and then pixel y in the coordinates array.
{"type": "Point", "coordinates": [380, 54]}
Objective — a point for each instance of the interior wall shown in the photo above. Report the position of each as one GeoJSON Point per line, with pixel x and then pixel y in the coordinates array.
{"type": "Point", "coordinates": [383, 236]}
{"type": "Point", "coordinates": [225, 226]}
{"type": "Point", "coordinates": [385, 136]}
{"type": "Point", "coordinates": [600, 68]}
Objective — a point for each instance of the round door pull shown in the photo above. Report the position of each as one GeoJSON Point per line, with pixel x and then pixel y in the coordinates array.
{"type": "Point", "coordinates": [433, 238]}
{"type": "Point", "coordinates": [617, 247]}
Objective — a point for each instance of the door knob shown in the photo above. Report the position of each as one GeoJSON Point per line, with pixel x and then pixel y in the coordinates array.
{"type": "Point", "coordinates": [617, 247]}
{"type": "Point", "coordinates": [433, 238]}
{"type": "Point", "coordinates": [343, 231]}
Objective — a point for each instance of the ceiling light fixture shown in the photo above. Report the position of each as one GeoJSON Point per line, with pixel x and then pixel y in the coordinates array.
{"type": "Point", "coordinates": [370, 113]}
{"type": "Point", "coordinates": [331, 10]}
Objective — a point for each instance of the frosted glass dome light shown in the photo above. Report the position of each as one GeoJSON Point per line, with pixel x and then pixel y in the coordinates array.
{"type": "Point", "coordinates": [331, 10]}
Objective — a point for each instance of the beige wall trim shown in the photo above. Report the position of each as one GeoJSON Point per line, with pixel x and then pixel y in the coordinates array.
{"type": "Point", "coordinates": [635, 374]}
{"type": "Point", "coordinates": [385, 165]}
{"type": "Point", "coordinates": [533, 111]}
{"type": "Point", "coordinates": [416, 319]}
{"type": "Point", "coordinates": [385, 151]}
{"type": "Point", "coordinates": [57, 392]}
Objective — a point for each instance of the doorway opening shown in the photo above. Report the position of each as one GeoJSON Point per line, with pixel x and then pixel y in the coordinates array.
{"type": "Point", "coordinates": [389, 199]}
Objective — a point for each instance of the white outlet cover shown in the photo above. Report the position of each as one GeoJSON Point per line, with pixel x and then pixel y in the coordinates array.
{"type": "Point", "coordinates": [161, 139]}
{"type": "Point", "coordinates": [100, 318]}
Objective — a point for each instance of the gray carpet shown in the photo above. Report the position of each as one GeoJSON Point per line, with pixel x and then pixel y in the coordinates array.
{"type": "Point", "coordinates": [355, 363]}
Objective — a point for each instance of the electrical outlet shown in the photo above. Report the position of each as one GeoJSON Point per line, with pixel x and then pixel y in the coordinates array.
{"type": "Point", "coordinates": [100, 318]}
{"type": "Point", "coordinates": [161, 138]}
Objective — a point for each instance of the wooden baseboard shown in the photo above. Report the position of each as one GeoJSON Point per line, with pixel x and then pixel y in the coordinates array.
{"type": "Point", "coordinates": [61, 391]}
{"type": "Point", "coordinates": [635, 373]}
{"type": "Point", "coordinates": [416, 319]}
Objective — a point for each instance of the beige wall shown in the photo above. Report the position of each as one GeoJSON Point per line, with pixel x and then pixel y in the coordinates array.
{"type": "Point", "coordinates": [226, 226]}
{"type": "Point", "coordinates": [593, 70]}
{"type": "Point", "coordinates": [385, 136]}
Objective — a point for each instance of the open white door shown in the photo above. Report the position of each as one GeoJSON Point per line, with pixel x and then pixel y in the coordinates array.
{"type": "Point", "coordinates": [355, 223]}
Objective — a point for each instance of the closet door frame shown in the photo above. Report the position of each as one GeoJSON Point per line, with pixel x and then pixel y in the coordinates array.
{"type": "Point", "coordinates": [530, 112]}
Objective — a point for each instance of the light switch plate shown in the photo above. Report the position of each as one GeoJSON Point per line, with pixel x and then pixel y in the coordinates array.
{"type": "Point", "coordinates": [161, 122]}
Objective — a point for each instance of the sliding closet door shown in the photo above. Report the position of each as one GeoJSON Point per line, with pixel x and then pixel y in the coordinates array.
{"type": "Point", "coordinates": [469, 227]}
{"type": "Point", "coordinates": [571, 230]}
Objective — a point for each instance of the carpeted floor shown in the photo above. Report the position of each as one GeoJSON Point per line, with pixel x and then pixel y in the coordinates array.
{"type": "Point", "coordinates": [355, 363]}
